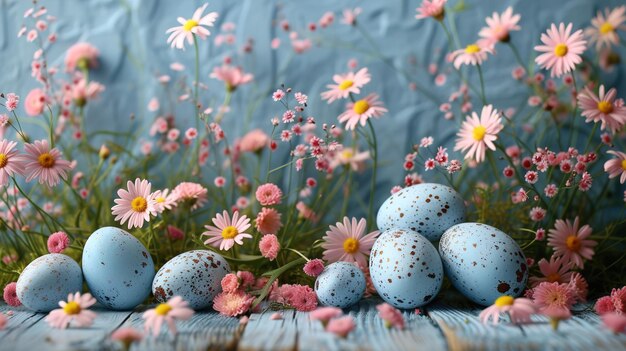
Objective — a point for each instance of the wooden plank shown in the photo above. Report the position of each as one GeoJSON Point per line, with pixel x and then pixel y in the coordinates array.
{"type": "Point", "coordinates": [19, 319]}
{"type": "Point", "coordinates": [262, 333]}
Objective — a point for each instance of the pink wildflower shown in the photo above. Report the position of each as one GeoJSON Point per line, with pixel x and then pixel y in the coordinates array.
{"type": "Point", "coordinates": [341, 326]}
{"type": "Point", "coordinates": [348, 242]}
{"type": "Point", "coordinates": [478, 134]}
{"type": "Point", "coordinates": [325, 314]}
{"type": "Point", "coordinates": [57, 242]}
{"type": "Point", "coordinates": [230, 283]}
{"type": "Point", "coordinates": [314, 267]}
{"type": "Point", "coordinates": [391, 316]}
{"type": "Point", "coordinates": [10, 295]}
{"type": "Point", "coordinates": [550, 296]}
{"type": "Point", "coordinates": [561, 49]}
{"type": "Point", "coordinates": [135, 204]}
{"type": "Point", "coordinates": [269, 246]}
{"type": "Point", "coordinates": [174, 309]}
{"type": "Point", "coordinates": [269, 194]}
{"type": "Point", "coordinates": [361, 111]}
{"type": "Point", "coordinates": [268, 221]}
{"type": "Point", "coordinates": [519, 310]}
{"type": "Point", "coordinates": [346, 84]}
{"type": "Point", "coordinates": [82, 56]}
{"type": "Point", "coordinates": [569, 241]}
{"type": "Point", "coordinates": [431, 8]}
{"type": "Point", "coordinates": [190, 28]}
{"type": "Point", "coordinates": [227, 232]}
{"type": "Point", "coordinates": [232, 304]}
{"type": "Point", "coordinates": [44, 163]}
{"type": "Point", "coordinates": [74, 311]}
{"type": "Point", "coordinates": [614, 322]}
{"type": "Point", "coordinates": [35, 102]}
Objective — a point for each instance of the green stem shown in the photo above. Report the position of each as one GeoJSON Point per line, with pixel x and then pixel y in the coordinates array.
{"type": "Point", "coordinates": [370, 213]}
{"type": "Point", "coordinates": [482, 85]}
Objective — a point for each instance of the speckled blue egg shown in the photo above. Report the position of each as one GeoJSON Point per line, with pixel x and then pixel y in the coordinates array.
{"type": "Point", "coordinates": [482, 262]}
{"type": "Point", "coordinates": [341, 284]}
{"type": "Point", "coordinates": [428, 209]}
{"type": "Point", "coordinates": [405, 268]}
{"type": "Point", "coordinates": [48, 280]}
{"type": "Point", "coordinates": [196, 276]}
{"type": "Point", "coordinates": [118, 269]}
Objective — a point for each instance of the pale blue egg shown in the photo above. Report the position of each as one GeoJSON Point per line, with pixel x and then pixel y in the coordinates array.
{"type": "Point", "coordinates": [405, 268]}
{"type": "Point", "coordinates": [482, 262]}
{"type": "Point", "coordinates": [48, 280]}
{"type": "Point", "coordinates": [341, 284]}
{"type": "Point", "coordinates": [118, 269]}
{"type": "Point", "coordinates": [428, 209]}
{"type": "Point", "coordinates": [196, 276]}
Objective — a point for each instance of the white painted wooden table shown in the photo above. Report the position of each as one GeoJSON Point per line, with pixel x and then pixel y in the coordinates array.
{"type": "Point", "coordinates": [439, 327]}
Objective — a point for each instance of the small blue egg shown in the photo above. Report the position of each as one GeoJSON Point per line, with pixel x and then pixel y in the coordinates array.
{"type": "Point", "coordinates": [118, 268]}
{"type": "Point", "coordinates": [428, 209]}
{"type": "Point", "coordinates": [196, 276]}
{"type": "Point", "coordinates": [341, 284]}
{"type": "Point", "coordinates": [405, 268]}
{"type": "Point", "coordinates": [48, 280]}
{"type": "Point", "coordinates": [482, 262]}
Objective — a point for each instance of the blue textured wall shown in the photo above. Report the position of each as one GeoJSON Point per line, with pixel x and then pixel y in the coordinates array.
{"type": "Point", "coordinates": [136, 28]}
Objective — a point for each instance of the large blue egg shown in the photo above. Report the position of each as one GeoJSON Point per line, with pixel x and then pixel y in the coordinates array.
{"type": "Point", "coordinates": [341, 284]}
{"type": "Point", "coordinates": [405, 268]}
{"type": "Point", "coordinates": [48, 280]}
{"type": "Point", "coordinates": [118, 268]}
{"type": "Point", "coordinates": [196, 276]}
{"type": "Point", "coordinates": [482, 262]}
{"type": "Point", "coordinates": [428, 209]}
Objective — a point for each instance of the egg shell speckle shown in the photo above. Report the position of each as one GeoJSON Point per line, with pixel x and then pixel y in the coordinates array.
{"type": "Point", "coordinates": [341, 284]}
{"type": "Point", "coordinates": [482, 262]}
{"type": "Point", "coordinates": [428, 209]}
{"type": "Point", "coordinates": [405, 268]}
{"type": "Point", "coordinates": [196, 276]}
{"type": "Point", "coordinates": [48, 280]}
{"type": "Point", "coordinates": [118, 269]}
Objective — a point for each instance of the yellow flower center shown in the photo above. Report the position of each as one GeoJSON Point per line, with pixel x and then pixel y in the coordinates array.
{"type": "Point", "coordinates": [573, 243]}
{"type": "Point", "coordinates": [160, 199]}
{"type": "Point", "coordinates": [346, 84]}
{"type": "Point", "coordinates": [479, 132]}
{"type": "Point", "coordinates": [504, 300]}
{"type": "Point", "coordinates": [163, 309]}
{"type": "Point", "coordinates": [3, 160]}
{"type": "Point", "coordinates": [560, 50]}
{"type": "Point", "coordinates": [623, 165]}
{"type": "Point", "coordinates": [229, 232]}
{"type": "Point", "coordinates": [46, 160]}
{"type": "Point", "coordinates": [606, 28]}
{"type": "Point", "coordinates": [554, 277]}
{"type": "Point", "coordinates": [351, 245]}
{"type": "Point", "coordinates": [72, 308]}
{"type": "Point", "coordinates": [347, 154]}
{"type": "Point", "coordinates": [605, 107]}
{"type": "Point", "coordinates": [139, 204]}
{"type": "Point", "coordinates": [472, 49]}
{"type": "Point", "coordinates": [190, 24]}
{"type": "Point", "coordinates": [361, 106]}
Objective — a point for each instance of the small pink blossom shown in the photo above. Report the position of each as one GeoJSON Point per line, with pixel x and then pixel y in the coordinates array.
{"type": "Point", "coordinates": [269, 246]}
{"type": "Point", "coordinates": [10, 295]}
{"type": "Point", "coordinates": [341, 326]}
{"type": "Point", "coordinates": [614, 322]}
{"type": "Point", "coordinates": [232, 304]}
{"type": "Point", "coordinates": [269, 194]}
{"type": "Point", "coordinates": [127, 336]}
{"type": "Point", "coordinates": [35, 102]}
{"type": "Point", "coordinates": [391, 316]}
{"type": "Point", "coordinates": [230, 283]}
{"type": "Point", "coordinates": [57, 242]}
{"type": "Point", "coordinates": [325, 314]}
{"type": "Point", "coordinates": [314, 267]}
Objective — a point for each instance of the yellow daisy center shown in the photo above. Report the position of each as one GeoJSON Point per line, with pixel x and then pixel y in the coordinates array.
{"type": "Point", "coordinates": [472, 49]}
{"type": "Point", "coordinates": [190, 24]}
{"type": "Point", "coordinates": [351, 245]}
{"type": "Point", "coordinates": [46, 160]}
{"type": "Point", "coordinates": [160, 199]}
{"type": "Point", "coordinates": [573, 243]}
{"type": "Point", "coordinates": [605, 107]}
{"type": "Point", "coordinates": [361, 106]}
{"type": "Point", "coordinates": [347, 154]}
{"type": "Point", "coordinates": [229, 232]}
{"type": "Point", "coordinates": [606, 28]}
{"type": "Point", "coordinates": [479, 132]}
{"type": "Point", "coordinates": [554, 277]}
{"type": "Point", "coordinates": [163, 309]}
{"type": "Point", "coordinates": [346, 84]}
{"type": "Point", "coordinates": [3, 160]}
{"type": "Point", "coordinates": [560, 50]}
{"type": "Point", "coordinates": [139, 204]}
{"type": "Point", "coordinates": [624, 165]}
{"type": "Point", "coordinates": [504, 300]}
{"type": "Point", "coordinates": [72, 308]}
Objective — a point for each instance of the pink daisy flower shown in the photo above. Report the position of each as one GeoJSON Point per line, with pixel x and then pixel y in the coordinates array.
{"type": "Point", "coordinates": [44, 163]}
{"type": "Point", "coordinates": [191, 27]}
{"type": "Point", "coordinates": [555, 270]}
{"type": "Point", "coordinates": [9, 294]}
{"type": "Point", "coordinates": [473, 54]}
{"type": "Point", "coordinates": [362, 110]}
{"type": "Point", "coordinates": [341, 326]}
{"type": "Point", "coordinates": [569, 241]}
{"type": "Point", "coordinates": [499, 27]}
{"type": "Point", "coordinates": [519, 310]}
{"type": "Point", "coordinates": [74, 311]}
{"type": "Point", "coordinates": [352, 157]}
{"type": "Point", "coordinates": [614, 322]}
{"type": "Point", "coordinates": [254, 141]}
{"type": "Point", "coordinates": [192, 194]}
{"type": "Point", "coordinates": [81, 56]}
{"type": "Point", "coordinates": [163, 200]}
{"type": "Point", "coordinates": [12, 102]}
{"type": "Point", "coordinates": [227, 232]}
{"type": "Point", "coordinates": [268, 221]}
{"type": "Point", "coordinates": [232, 76]}
{"type": "Point", "coordinates": [127, 336]}
{"type": "Point", "coordinates": [345, 84]}
{"type": "Point", "coordinates": [553, 296]}
{"type": "Point", "coordinates": [269, 246]}
{"type": "Point", "coordinates": [232, 304]}
{"type": "Point", "coordinates": [314, 267]}
{"type": "Point", "coordinates": [392, 317]}
{"type": "Point", "coordinates": [269, 194]}
{"type": "Point", "coordinates": [603, 30]}
{"type": "Point", "coordinates": [616, 166]}
{"type": "Point", "coordinates": [135, 204]}
{"type": "Point", "coordinates": [604, 108]}
{"type": "Point", "coordinates": [478, 134]}
{"type": "Point", "coordinates": [11, 163]}
{"type": "Point", "coordinates": [561, 49]}
{"type": "Point", "coordinates": [57, 242]}
{"type": "Point", "coordinates": [168, 312]}
{"type": "Point", "coordinates": [431, 8]}
{"type": "Point", "coordinates": [346, 242]}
